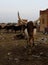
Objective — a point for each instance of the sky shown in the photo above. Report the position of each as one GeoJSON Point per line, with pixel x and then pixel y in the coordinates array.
{"type": "Point", "coordinates": [28, 9]}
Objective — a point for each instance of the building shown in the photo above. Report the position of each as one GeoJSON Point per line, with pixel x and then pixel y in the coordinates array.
{"type": "Point", "coordinates": [43, 19]}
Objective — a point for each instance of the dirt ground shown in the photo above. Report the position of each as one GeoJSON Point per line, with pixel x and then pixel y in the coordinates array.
{"type": "Point", "coordinates": [17, 52]}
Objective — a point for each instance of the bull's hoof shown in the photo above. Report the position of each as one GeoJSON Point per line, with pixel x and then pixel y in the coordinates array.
{"type": "Point", "coordinates": [33, 44]}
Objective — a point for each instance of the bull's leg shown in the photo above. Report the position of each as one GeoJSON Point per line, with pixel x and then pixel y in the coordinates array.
{"type": "Point", "coordinates": [7, 31]}
{"type": "Point", "coordinates": [31, 41]}
{"type": "Point", "coordinates": [15, 31]}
